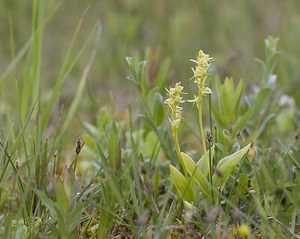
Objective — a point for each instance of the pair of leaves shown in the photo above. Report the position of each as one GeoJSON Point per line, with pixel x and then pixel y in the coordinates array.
{"type": "Point", "coordinates": [198, 172]}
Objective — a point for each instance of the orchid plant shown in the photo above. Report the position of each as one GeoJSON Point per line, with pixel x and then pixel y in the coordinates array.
{"type": "Point", "coordinates": [198, 173]}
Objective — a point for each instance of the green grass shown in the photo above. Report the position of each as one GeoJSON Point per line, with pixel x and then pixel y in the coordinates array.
{"type": "Point", "coordinates": [75, 164]}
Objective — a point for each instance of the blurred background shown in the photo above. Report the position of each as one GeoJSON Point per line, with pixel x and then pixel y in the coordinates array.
{"type": "Point", "coordinates": [232, 32]}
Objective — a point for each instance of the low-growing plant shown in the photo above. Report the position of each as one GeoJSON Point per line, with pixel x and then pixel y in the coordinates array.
{"type": "Point", "coordinates": [211, 178]}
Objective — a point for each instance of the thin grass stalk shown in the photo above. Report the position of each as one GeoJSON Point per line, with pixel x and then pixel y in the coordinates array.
{"type": "Point", "coordinates": [210, 156]}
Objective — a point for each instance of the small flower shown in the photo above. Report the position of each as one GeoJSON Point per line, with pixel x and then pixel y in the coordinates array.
{"type": "Point", "coordinates": [244, 230]}
{"type": "Point", "coordinates": [200, 73]}
{"type": "Point", "coordinates": [174, 101]}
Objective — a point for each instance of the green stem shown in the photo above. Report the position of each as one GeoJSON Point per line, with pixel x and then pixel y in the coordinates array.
{"type": "Point", "coordinates": [177, 147]}
{"type": "Point", "coordinates": [200, 125]}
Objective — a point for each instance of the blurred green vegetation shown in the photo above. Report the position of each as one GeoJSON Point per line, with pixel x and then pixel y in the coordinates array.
{"type": "Point", "coordinates": [231, 31]}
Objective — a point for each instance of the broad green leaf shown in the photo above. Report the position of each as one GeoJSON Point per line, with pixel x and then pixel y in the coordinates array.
{"type": "Point", "coordinates": [203, 163]}
{"type": "Point", "coordinates": [183, 186]}
{"type": "Point", "coordinates": [114, 148]}
{"type": "Point", "coordinates": [196, 174]}
{"type": "Point", "coordinates": [226, 165]}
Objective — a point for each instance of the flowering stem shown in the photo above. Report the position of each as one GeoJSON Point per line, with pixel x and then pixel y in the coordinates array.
{"type": "Point", "coordinates": [174, 102]}
{"type": "Point", "coordinates": [200, 125]}
{"type": "Point", "coordinates": [177, 147]}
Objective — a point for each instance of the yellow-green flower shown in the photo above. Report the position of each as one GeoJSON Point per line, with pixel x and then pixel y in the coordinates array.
{"type": "Point", "coordinates": [200, 73]}
{"type": "Point", "coordinates": [244, 230]}
{"type": "Point", "coordinates": [174, 102]}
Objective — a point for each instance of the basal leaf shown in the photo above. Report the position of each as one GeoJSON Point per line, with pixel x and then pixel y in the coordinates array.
{"type": "Point", "coordinates": [183, 186]}
{"type": "Point", "coordinates": [226, 165]}
{"type": "Point", "coordinates": [203, 163]}
{"type": "Point", "coordinates": [196, 174]}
